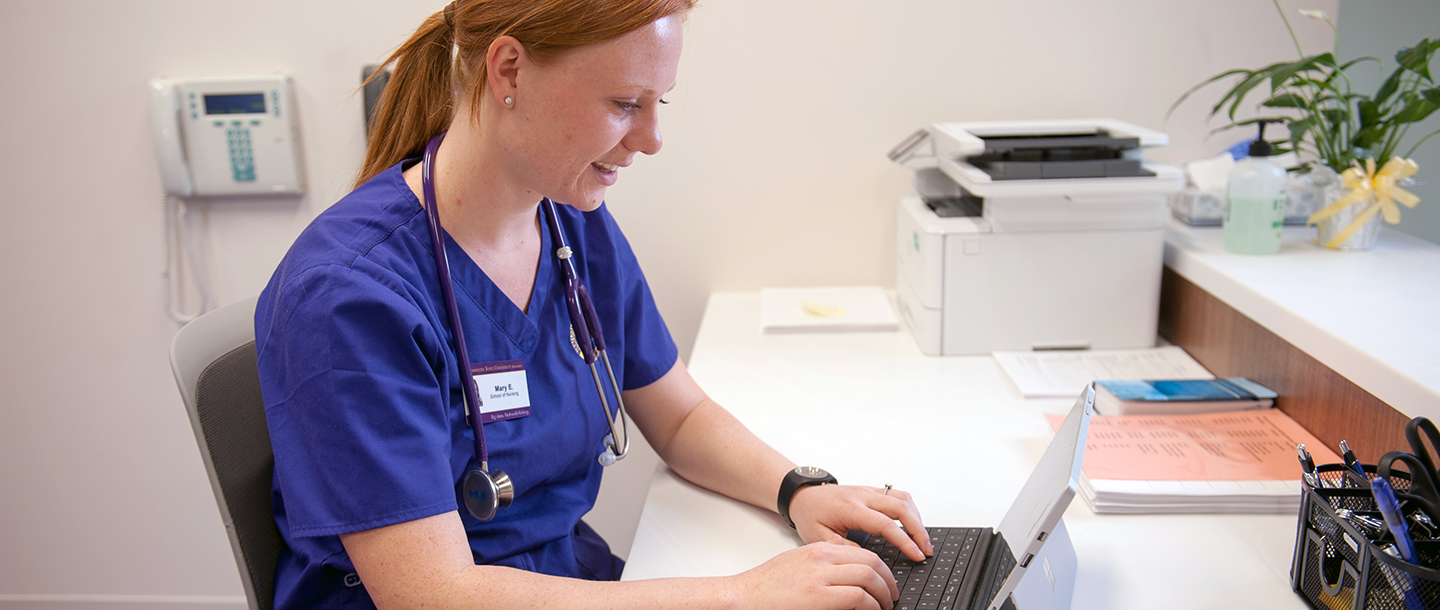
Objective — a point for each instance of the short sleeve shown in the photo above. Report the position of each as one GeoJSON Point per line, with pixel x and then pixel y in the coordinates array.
{"type": "Point", "coordinates": [650, 351]}
{"type": "Point", "coordinates": [351, 374]}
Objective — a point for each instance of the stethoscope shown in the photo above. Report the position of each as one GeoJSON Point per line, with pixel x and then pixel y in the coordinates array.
{"type": "Point", "coordinates": [485, 492]}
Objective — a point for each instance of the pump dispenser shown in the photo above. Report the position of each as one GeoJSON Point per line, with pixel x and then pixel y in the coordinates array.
{"type": "Point", "coordinates": [1255, 205]}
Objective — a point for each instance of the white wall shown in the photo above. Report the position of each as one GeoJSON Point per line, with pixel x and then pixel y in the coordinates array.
{"type": "Point", "coordinates": [773, 174]}
{"type": "Point", "coordinates": [1379, 28]}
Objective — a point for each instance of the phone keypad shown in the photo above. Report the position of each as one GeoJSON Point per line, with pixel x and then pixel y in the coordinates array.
{"type": "Point", "coordinates": [242, 163]}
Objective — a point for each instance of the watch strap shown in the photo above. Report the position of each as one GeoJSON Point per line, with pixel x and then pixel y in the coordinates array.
{"type": "Point", "coordinates": [792, 483]}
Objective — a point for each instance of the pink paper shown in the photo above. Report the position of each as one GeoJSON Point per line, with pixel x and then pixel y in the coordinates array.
{"type": "Point", "coordinates": [1235, 446]}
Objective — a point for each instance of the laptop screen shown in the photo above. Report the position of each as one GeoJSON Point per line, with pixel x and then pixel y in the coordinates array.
{"type": "Point", "coordinates": [1048, 492]}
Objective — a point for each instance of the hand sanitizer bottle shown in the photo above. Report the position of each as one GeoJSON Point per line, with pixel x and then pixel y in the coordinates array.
{"type": "Point", "coordinates": [1255, 207]}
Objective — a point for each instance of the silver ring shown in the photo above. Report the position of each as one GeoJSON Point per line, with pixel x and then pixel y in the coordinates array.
{"type": "Point", "coordinates": [887, 490]}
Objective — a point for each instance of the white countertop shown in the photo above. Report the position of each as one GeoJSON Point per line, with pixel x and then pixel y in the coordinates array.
{"type": "Point", "coordinates": [954, 432]}
{"type": "Point", "coordinates": [1373, 317]}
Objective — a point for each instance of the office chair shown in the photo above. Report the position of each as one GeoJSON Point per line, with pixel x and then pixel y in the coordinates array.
{"type": "Point", "coordinates": [213, 358]}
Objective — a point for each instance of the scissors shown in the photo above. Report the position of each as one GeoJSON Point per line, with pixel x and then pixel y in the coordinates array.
{"type": "Point", "coordinates": [1417, 446]}
{"type": "Point", "coordinates": [1424, 480]}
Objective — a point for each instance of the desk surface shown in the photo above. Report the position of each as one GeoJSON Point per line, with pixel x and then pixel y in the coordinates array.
{"type": "Point", "coordinates": [1373, 317]}
{"type": "Point", "coordinates": [872, 409]}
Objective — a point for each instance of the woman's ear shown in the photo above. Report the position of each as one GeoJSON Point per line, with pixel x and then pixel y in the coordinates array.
{"type": "Point", "coordinates": [502, 69]}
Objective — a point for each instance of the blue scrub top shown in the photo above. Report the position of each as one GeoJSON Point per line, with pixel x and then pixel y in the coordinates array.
{"type": "Point", "coordinates": [364, 405]}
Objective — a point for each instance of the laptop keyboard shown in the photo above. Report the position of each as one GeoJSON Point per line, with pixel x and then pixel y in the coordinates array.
{"type": "Point", "coordinates": [935, 583]}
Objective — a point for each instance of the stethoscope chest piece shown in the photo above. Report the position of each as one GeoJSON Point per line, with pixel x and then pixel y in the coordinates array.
{"type": "Point", "coordinates": [485, 493]}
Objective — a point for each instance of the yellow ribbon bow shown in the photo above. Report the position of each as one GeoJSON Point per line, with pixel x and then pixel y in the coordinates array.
{"type": "Point", "coordinates": [1365, 183]}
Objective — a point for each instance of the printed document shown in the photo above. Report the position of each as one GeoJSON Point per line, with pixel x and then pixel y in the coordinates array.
{"type": "Point", "coordinates": [1238, 462]}
{"type": "Point", "coordinates": [1062, 374]}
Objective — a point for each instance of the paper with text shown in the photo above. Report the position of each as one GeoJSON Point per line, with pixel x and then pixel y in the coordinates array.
{"type": "Point", "coordinates": [1237, 446]}
{"type": "Point", "coordinates": [1063, 374]}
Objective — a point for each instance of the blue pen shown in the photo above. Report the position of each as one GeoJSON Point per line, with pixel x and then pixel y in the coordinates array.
{"type": "Point", "coordinates": [1390, 511]}
{"type": "Point", "coordinates": [1395, 520]}
{"type": "Point", "coordinates": [1350, 459]}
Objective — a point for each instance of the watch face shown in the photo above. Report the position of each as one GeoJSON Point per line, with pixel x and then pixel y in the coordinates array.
{"type": "Point", "coordinates": [812, 472]}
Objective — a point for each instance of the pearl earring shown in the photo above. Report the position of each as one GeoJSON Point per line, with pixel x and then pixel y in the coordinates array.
{"type": "Point", "coordinates": [508, 100]}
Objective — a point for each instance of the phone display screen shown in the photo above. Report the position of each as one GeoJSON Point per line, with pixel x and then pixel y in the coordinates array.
{"type": "Point", "coordinates": [235, 103]}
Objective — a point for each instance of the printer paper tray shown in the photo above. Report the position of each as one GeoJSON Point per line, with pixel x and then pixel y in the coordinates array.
{"type": "Point", "coordinates": [1167, 179]}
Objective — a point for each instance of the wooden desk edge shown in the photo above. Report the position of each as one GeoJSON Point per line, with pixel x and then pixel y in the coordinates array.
{"type": "Point", "coordinates": [1230, 344]}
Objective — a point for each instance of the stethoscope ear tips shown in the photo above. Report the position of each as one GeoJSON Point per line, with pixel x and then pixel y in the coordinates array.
{"type": "Point", "coordinates": [611, 454]}
{"type": "Point", "coordinates": [607, 457]}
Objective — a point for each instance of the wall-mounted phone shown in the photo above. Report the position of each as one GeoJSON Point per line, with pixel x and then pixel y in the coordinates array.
{"type": "Point", "coordinates": [227, 136]}
{"type": "Point", "coordinates": [215, 137]}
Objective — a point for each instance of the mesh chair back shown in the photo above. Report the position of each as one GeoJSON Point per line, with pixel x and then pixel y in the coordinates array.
{"type": "Point", "coordinates": [228, 416]}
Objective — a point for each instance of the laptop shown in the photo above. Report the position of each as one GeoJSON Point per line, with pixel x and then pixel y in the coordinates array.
{"type": "Point", "coordinates": [991, 569]}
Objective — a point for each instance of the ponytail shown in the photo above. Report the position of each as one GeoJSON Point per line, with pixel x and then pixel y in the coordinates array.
{"type": "Point", "coordinates": [417, 102]}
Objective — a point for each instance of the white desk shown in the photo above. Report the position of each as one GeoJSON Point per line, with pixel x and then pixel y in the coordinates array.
{"type": "Point", "coordinates": [872, 409]}
{"type": "Point", "coordinates": [1373, 317]}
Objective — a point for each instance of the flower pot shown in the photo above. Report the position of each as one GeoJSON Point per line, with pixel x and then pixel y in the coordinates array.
{"type": "Point", "coordinates": [1329, 189]}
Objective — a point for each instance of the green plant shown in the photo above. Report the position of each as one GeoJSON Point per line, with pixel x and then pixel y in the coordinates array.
{"type": "Point", "coordinates": [1328, 121]}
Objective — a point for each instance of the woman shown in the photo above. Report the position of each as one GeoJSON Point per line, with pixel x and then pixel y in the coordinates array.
{"type": "Point", "coordinates": [544, 100]}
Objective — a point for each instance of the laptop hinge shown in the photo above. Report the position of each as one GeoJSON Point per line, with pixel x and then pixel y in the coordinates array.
{"type": "Point", "coordinates": [971, 585]}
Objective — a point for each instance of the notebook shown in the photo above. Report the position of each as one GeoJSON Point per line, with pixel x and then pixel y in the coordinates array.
{"type": "Point", "coordinates": [986, 569]}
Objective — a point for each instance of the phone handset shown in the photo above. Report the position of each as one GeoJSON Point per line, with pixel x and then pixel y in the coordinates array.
{"type": "Point", "coordinates": [169, 138]}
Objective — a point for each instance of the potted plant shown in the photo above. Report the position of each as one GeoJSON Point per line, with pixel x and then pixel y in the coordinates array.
{"type": "Point", "coordinates": [1346, 139]}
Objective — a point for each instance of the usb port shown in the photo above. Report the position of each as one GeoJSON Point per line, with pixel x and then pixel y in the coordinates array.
{"type": "Point", "coordinates": [1042, 536]}
{"type": "Point", "coordinates": [1026, 563]}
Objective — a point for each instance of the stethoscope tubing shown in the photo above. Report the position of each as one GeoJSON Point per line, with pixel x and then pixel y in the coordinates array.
{"type": "Point", "coordinates": [447, 290]}
{"type": "Point", "coordinates": [588, 334]}
{"type": "Point", "coordinates": [583, 320]}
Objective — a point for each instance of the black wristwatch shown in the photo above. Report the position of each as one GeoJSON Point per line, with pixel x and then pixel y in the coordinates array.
{"type": "Point", "coordinates": [794, 480]}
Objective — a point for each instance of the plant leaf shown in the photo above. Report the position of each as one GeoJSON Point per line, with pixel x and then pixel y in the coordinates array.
{"type": "Point", "coordinates": [1369, 113]}
{"type": "Point", "coordinates": [1239, 92]}
{"type": "Point", "coordinates": [1346, 66]}
{"type": "Point", "coordinates": [1246, 123]}
{"type": "Point", "coordinates": [1367, 137]}
{"type": "Point", "coordinates": [1200, 86]}
{"type": "Point", "coordinates": [1416, 59]}
{"type": "Point", "coordinates": [1432, 94]}
{"type": "Point", "coordinates": [1389, 86]}
{"type": "Point", "coordinates": [1281, 75]}
{"type": "Point", "coordinates": [1415, 110]}
{"type": "Point", "coordinates": [1298, 128]}
{"type": "Point", "coordinates": [1285, 100]}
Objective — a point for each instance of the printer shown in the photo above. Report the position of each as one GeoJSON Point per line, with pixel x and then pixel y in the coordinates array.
{"type": "Point", "coordinates": [1032, 235]}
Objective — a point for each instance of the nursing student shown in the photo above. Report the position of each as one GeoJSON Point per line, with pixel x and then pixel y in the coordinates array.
{"type": "Point", "coordinates": [542, 104]}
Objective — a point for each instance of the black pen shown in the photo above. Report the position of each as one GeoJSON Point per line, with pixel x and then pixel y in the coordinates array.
{"type": "Point", "coordinates": [1350, 459]}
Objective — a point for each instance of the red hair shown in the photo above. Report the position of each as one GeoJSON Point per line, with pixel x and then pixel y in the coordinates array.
{"type": "Point", "coordinates": [419, 100]}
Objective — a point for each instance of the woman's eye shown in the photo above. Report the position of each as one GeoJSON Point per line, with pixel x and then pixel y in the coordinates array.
{"type": "Point", "coordinates": [627, 106]}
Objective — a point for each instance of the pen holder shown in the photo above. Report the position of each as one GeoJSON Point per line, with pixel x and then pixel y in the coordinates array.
{"type": "Point", "coordinates": [1337, 566]}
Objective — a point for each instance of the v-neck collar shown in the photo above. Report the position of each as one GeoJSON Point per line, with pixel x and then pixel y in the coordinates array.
{"type": "Point", "coordinates": [522, 327]}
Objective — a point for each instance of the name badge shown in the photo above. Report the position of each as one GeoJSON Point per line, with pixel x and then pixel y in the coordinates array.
{"type": "Point", "coordinates": [504, 393]}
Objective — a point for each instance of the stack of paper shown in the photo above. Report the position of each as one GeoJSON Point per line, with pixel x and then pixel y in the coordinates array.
{"type": "Point", "coordinates": [839, 309]}
{"type": "Point", "coordinates": [1240, 462]}
{"type": "Point", "coordinates": [1062, 374]}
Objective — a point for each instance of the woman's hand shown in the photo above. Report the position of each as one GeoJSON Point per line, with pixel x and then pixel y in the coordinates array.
{"type": "Point", "coordinates": [823, 511]}
{"type": "Point", "coordinates": [819, 575]}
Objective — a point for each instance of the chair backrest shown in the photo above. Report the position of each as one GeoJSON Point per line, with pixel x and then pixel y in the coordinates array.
{"type": "Point", "coordinates": [213, 358]}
